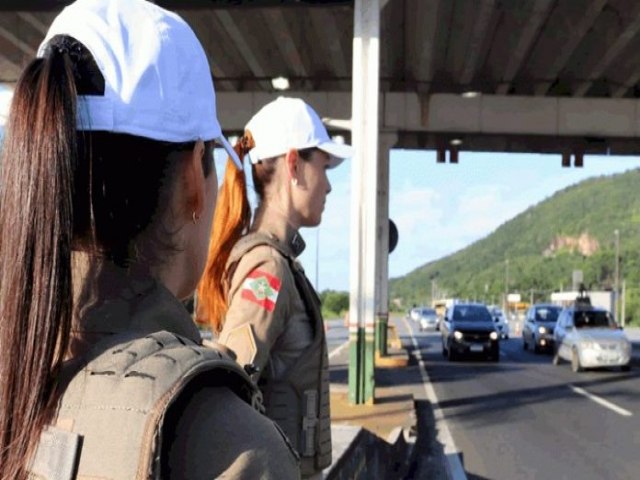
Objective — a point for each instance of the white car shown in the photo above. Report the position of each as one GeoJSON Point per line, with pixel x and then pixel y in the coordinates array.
{"type": "Point", "coordinates": [501, 323]}
{"type": "Point", "coordinates": [588, 337]}
{"type": "Point", "coordinates": [414, 313]}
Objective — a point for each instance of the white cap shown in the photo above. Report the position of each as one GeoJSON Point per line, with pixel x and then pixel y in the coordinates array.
{"type": "Point", "coordinates": [288, 123]}
{"type": "Point", "coordinates": [157, 77]}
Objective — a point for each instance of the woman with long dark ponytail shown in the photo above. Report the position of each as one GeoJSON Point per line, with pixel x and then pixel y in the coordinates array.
{"type": "Point", "coordinates": [108, 188]}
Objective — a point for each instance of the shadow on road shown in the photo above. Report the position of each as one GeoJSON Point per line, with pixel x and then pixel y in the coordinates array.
{"type": "Point", "coordinates": [478, 406]}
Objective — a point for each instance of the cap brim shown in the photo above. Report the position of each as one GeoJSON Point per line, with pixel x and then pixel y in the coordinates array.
{"type": "Point", "coordinates": [338, 151]}
{"type": "Point", "coordinates": [229, 149]}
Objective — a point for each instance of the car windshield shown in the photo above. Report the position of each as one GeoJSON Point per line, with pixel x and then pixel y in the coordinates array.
{"type": "Point", "coordinates": [591, 319]}
{"type": "Point", "coordinates": [549, 314]}
{"type": "Point", "coordinates": [427, 312]}
{"type": "Point", "coordinates": [471, 313]}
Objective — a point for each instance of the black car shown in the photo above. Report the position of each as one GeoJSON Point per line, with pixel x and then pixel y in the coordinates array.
{"type": "Point", "coordinates": [469, 328]}
{"type": "Point", "coordinates": [539, 324]}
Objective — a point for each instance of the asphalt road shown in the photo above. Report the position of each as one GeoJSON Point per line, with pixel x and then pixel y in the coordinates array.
{"type": "Point", "coordinates": [524, 418]}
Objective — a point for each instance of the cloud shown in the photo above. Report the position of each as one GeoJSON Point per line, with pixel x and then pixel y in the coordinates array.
{"type": "Point", "coordinates": [417, 210]}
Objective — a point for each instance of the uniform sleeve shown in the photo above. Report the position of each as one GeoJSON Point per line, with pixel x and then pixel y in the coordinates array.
{"type": "Point", "coordinates": [258, 307]}
{"type": "Point", "coordinates": [218, 435]}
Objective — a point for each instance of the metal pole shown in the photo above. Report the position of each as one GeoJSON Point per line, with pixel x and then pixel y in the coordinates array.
{"type": "Point", "coordinates": [616, 233]}
{"type": "Point", "coordinates": [506, 285]}
{"type": "Point", "coordinates": [624, 302]}
{"type": "Point", "coordinates": [317, 257]}
{"type": "Point", "coordinates": [364, 179]}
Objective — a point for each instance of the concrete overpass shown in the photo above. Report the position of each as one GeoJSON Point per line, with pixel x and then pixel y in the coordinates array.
{"type": "Point", "coordinates": [451, 75]}
{"type": "Point", "coordinates": [539, 65]}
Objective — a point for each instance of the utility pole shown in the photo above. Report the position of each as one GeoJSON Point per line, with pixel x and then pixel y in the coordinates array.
{"type": "Point", "coordinates": [317, 257]}
{"type": "Point", "coordinates": [506, 285]}
{"type": "Point", "coordinates": [624, 303]}
{"type": "Point", "coordinates": [616, 233]}
{"type": "Point", "coordinates": [433, 291]}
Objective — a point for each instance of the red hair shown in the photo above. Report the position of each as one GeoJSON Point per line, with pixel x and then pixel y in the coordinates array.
{"type": "Point", "coordinates": [231, 220]}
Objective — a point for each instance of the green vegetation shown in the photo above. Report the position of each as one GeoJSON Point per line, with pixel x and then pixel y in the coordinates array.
{"type": "Point", "coordinates": [541, 247]}
{"type": "Point", "coordinates": [334, 304]}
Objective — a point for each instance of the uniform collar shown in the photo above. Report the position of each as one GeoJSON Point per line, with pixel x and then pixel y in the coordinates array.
{"type": "Point", "coordinates": [288, 237]}
{"type": "Point", "coordinates": [127, 304]}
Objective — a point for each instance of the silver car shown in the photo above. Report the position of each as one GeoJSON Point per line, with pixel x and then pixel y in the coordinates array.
{"type": "Point", "coordinates": [428, 319]}
{"type": "Point", "coordinates": [588, 337]}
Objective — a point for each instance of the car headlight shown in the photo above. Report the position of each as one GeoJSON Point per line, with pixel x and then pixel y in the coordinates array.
{"type": "Point", "coordinates": [457, 335]}
{"type": "Point", "coordinates": [542, 330]}
{"type": "Point", "coordinates": [493, 335]}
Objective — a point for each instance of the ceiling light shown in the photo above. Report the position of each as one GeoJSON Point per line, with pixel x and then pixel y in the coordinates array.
{"type": "Point", "coordinates": [456, 142]}
{"type": "Point", "coordinates": [470, 94]}
{"type": "Point", "coordinates": [280, 83]}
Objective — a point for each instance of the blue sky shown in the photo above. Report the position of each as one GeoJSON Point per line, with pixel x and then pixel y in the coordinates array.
{"type": "Point", "coordinates": [442, 208]}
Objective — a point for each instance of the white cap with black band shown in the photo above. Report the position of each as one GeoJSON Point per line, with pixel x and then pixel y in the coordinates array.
{"type": "Point", "coordinates": [158, 81]}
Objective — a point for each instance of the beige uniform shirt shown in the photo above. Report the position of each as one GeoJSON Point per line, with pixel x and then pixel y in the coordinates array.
{"type": "Point", "coordinates": [267, 324]}
{"type": "Point", "coordinates": [215, 434]}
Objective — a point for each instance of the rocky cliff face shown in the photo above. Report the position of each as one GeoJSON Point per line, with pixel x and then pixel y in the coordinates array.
{"type": "Point", "coordinates": [584, 244]}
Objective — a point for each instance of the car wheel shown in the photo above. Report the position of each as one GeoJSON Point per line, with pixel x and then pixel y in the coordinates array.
{"type": "Point", "coordinates": [506, 337]}
{"type": "Point", "coordinates": [452, 355]}
{"type": "Point", "coordinates": [525, 346]}
{"type": "Point", "coordinates": [536, 349]}
{"type": "Point", "coordinates": [495, 355]}
{"type": "Point", "coordinates": [575, 361]}
{"type": "Point", "coordinates": [625, 368]}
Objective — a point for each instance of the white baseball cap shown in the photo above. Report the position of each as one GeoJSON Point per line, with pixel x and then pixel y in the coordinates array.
{"type": "Point", "coordinates": [157, 77]}
{"type": "Point", "coordinates": [288, 123]}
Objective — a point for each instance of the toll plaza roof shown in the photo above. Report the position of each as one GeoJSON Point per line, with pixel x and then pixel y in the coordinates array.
{"type": "Point", "coordinates": [510, 75]}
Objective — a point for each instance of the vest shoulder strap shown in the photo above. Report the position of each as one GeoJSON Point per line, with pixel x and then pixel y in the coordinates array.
{"type": "Point", "coordinates": [116, 402]}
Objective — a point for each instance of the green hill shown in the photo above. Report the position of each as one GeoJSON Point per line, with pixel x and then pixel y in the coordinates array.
{"type": "Point", "coordinates": [541, 247]}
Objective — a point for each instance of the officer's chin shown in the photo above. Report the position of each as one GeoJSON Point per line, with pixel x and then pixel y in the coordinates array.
{"type": "Point", "coordinates": [313, 222]}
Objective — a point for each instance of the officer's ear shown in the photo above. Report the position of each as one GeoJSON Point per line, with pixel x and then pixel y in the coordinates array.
{"type": "Point", "coordinates": [291, 159]}
{"type": "Point", "coordinates": [194, 182]}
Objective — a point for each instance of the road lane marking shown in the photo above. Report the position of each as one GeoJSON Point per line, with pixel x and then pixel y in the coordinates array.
{"type": "Point", "coordinates": [456, 471]}
{"type": "Point", "coordinates": [602, 401]}
{"type": "Point", "coordinates": [338, 349]}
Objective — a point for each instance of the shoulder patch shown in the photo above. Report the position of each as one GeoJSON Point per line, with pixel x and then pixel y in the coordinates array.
{"type": "Point", "coordinates": [262, 288]}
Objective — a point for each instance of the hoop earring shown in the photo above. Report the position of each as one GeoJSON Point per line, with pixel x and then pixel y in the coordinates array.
{"type": "Point", "coordinates": [195, 217]}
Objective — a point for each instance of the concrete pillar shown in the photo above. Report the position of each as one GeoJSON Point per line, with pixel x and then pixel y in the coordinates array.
{"type": "Point", "coordinates": [386, 141]}
{"type": "Point", "coordinates": [364, 179]}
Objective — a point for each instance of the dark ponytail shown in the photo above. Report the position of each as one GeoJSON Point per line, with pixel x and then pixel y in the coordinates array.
{"type": "Point", "coordinates": [36, 229]}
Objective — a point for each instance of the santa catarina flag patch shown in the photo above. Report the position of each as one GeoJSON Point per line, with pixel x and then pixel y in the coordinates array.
{"type": "Point", "coordinates": [261, 288]}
